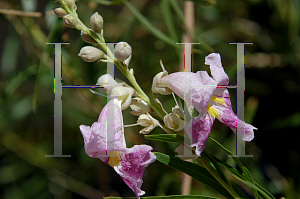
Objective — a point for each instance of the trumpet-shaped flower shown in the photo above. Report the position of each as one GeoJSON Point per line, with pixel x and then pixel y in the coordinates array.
{"type": "Point", "coordinates": [211, 98]}
{"type": "Point", "coordinates": [129, 163]}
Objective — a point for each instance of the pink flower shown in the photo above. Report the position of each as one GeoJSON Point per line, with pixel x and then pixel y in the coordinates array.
{"type": "Point", "coordinates": [210, 99]}
{"type": "Point", "coordinates": [129, 163]}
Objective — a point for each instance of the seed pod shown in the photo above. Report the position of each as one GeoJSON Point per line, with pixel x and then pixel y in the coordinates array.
{"type": "Point", "coordinates": [96, 22]}
{"type": "Point", "coordinates": [60, 12]}
{"type": "Point", "coordinates": [90, 54]}
{"type": "Point", "coordinates": [70, 20]}
{"type": "Point", "coordinates": [122, 51]}
{"type": "Point", "coordinates": [87, 38]}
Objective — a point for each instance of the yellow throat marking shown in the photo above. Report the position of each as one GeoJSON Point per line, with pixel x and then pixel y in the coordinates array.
{"type": "Point", "coordinates": [217, 100]}
{"type": "Point", "coordinates": [213, 112]}
{"type": "Point", "coordinates": [114, 158]}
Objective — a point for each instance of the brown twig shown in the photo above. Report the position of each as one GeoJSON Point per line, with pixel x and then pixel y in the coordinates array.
{"type": "Point", "coordinates": [20, 13]}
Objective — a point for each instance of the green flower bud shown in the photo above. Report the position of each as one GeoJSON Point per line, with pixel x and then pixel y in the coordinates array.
{"type": "Point", "coordinates": [60, 12]}
{"type": "Point", "coordinates": [87, 38]}
{"type": "Point", "coordinates": [70, 20]}
{"type": "Point", "coordinates": [90, 54]}
{"type": "Point", "coordinates": [122, 51]}
{"type": "Point", "coordinates": [96, 22]}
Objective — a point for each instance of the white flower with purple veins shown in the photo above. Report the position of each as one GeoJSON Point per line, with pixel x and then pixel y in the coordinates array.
{"type": "Point", "coordinates": [129, 163]}
{"type": "Point", "coordinates": [211, 101]}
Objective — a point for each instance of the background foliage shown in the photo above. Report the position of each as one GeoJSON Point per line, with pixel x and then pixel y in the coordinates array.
{"type": "Point", "coordinates": [26, 129]}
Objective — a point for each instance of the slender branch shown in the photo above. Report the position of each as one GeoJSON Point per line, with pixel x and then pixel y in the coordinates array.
{"type": "Point", "coordinates": [20, 13]}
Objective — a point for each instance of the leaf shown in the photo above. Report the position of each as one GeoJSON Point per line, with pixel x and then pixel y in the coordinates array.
{"type": "Point", "coordinates": [165, 137]}
{"type": "Point", "coordinates": [246, 174]}
{"type": "Point", "coordinates": [253, 186]}
{"type": "Point", "coordinates": [149, 26]}
{"type": "Point", "coordinates": [195, 171]}
{"type": "Point", "coordinates": [169, 19]}
{"type": "Point", "coordinates": [239, 174]}
{"type": "Point", "coordinates": [163, 197]}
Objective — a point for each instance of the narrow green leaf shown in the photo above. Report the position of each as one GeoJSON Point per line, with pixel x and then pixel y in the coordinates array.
{"type": "Point", "coordinates": [233, 170]}
{"type": "Point", "coordinates": [206, 155]}
{"type": "Point", "coordinates": [164, 197]}
{"type": "Point", "coordinates": [169, 21]}
{"type": "Point", "coordinates": [149, 26]}
{"type": "Point", "coordinates": [167, 14]}
{"type": "Point", "coordinates": [239, 174]}
{"type": "Point", "coordinates": [165, 137]}
{"type": "Point", "coordinates": [253, 186]}
{"type": "Point", "coordinates": [246, 172]}
{"type": "Point", "coordinates": [195, 171]}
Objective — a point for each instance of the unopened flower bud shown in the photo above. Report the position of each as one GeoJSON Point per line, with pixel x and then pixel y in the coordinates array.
{"type": "Point", "coordinates": [87, 38]}
{"type": "Point", "coordinates": [108, 82]}
{"type": "Point", "coordinates": [122, 51]}
{"type": "Point", "coordinates": [90, 54]}
{"type": "Point", "coordinates": [71, 4]}
{"type": "Point", "coordinates": [139, 107]}
{"type": "Point", "coordinates": [96, 22]}
{"type": "Point", "coordinates": [60, 12]}
{"type": "Point", "coordinates": [124, 94]}
{"type": "Point", "coordinates": [70, 20]}
{"type": "Point", "coordinates": [160, 87]}
{"type": "Point", "coordinates": [148, 121]}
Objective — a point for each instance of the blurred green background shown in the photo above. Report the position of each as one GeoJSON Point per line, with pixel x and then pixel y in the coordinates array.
{"type": "Point", "coordinates": [26, 129]}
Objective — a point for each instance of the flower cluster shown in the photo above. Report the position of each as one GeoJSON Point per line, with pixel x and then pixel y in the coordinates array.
{"type": "Point", "coordinates": [208, 95]}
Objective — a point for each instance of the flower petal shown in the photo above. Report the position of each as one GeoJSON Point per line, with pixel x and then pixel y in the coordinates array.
{"type": "Point", "coordinates": [203, 87]}
{"type": "Point", "coordinates": [216, 68]}
{"type": "Point", "coordinates": [176, 82]}
{"type": "Point", "coordinates": [217, 71]}
{"type": "Point", "coordinates": [199, 130]}
{"type": "Point", "coordinates": [226, 115]}
{"type": "Point", "coordinates": [95, 136]}
{"type": "Point", "coordinates": [132, 166]}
